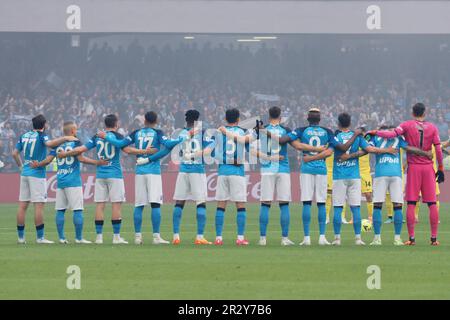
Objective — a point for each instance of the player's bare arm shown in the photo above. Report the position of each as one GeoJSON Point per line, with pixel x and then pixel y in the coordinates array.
{"type": "Point", "coordinates": [56, 142]}
{"type": "Point", "coordinates": [136, 151]}
{"type": "Point", "coordinates": [87, 160]}
{"type": "Point", "coordinates": [306, 147]}
{"type": "Point", "coordinates": [43, 163]}
{"type": "Point", "coordinates": [322, 155]}
{"type": "Point", "coordinates": [419, 152]}
{"type": "Point", "coordinates": [344, 147]}
{"type": "Point", "coordinates": [353, 155]}
{"type": "Point", "coordinates": [239, 139]}
{"type": "Point", "coordinates": [72, 153]}
{"type": "Point", "coordinates": [371, 149]}
{"type": "Point", "coordinates": [17, 158]}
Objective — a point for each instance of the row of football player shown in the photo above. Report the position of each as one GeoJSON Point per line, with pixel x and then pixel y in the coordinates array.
{"type": "Point", "coordinates": [150, 144]}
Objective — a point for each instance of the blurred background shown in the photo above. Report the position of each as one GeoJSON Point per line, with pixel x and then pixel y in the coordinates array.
{"type": "Point", "coordinates": [84, 77]}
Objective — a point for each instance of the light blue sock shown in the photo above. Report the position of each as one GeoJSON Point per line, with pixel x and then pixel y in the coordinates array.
{"type": "Point", "coordinates": [137, 217]}
{"type": "Point", "coordinates": [376, 220]}
{"type": "Point", "coordinates": [59, 218]}
{"type": "Point", "coordinates": [21, 232]}
{"type": "Point", "coordinates": [240, 221]}
{"type": "Point", "coordinates": [398, 220]}
{"type": "Point", "coordinates": [201, 218]}
{"type": "Point", "coordinates": [116, 224]}
{"type": "Point", "coordinates": [285, 219]}
{"type": "Point", "coordinates": [176, 217]}
{"type": "Point", "coordinates": [78, 223]}
{"type": "Point", "coordinates": [99, 226]}
{"type": "Point", "coordinates": [263, 218]}
{"type": "Point", "coordinates": [337, 219]}
{"type": "Point", "coordinates": [356, 219]}
{"type": "Point", "coordinates": [322, 217]}
{"type": "Point", "coordinates": [306, 217]}
{"type": "Point", "coordinates": [219, 221]}
{"type": "Point", "coordinates": [156, 217]}
{"type": "Point", "coordinates": [40, 231]}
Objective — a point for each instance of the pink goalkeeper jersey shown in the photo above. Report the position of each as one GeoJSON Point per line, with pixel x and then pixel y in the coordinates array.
{"type": "Point", "coordinates": [417, 134]}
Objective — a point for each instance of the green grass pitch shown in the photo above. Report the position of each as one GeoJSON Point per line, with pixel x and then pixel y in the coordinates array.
{"type": "Point", "coordinates": [228, 272]}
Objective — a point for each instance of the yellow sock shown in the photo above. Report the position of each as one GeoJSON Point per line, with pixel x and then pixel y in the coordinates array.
{"type": "Point", "coordinates": [438, 205]}
{"type": "Point", "coordinates": [328, 206]}
{"type": "Point", "coordinates": [389, 206]}
{"type": "Point", "coordinates": [370, 210]}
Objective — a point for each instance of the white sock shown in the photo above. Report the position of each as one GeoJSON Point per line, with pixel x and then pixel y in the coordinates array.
{"type": "Point", "coordinates": [116, 235]}
{"type": "Point", "coordinates": [219, 238]}
{"type": "Point", "coordinates": [175, 236]}
{"type": "Point", "coordinates": [397, 237]}
{"type": "Point", "coordinates": [284, 238]}
{"type": "Point", "coordinates": [199, 236]}
{"type": "Point", "coordinates": [358, 237]}
{"type": "Point", "coordinates": [337, 236]}
{"type": "Point", "coordinates": [306, 238]}
{"type": "Point", "coordinates": [240, 237]}
{"type": "Point", "coordinates": [262, 238]}
{"type": "Point", "coordinates": [322, 237]}
{"type": "Point", "coordinates": [138, 234]}
{"type": "Point", "coordinates": [377, 237]}
{"type": "Point", "coordinates": [156, 235]}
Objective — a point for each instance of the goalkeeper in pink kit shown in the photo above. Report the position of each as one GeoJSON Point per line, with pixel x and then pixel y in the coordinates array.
{"type": "Point", "coordinates": [421, 178]}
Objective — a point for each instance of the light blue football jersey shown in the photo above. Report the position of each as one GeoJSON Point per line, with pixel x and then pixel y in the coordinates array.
{"type": "Point", "coordinates": [316, 136]}
{"type": "Point", "coordinates": [32, 144]}
{"type": "Point", "coordinates": [198, 142]}
{"type": "Point", "coordinates": [270, 148]}
{"type": "Point", "coordinates": [347, 169]}
{"type": "Point", "coordinates": [386, 164]}
{"type": "Point", "coordinates": [231, 154]}
{"type": "Point", "coordinates": [68, 174]}
{"type": "Point", "coordinates": [141, 139]}
{"type": "Point", "coordinates": [107, 151]}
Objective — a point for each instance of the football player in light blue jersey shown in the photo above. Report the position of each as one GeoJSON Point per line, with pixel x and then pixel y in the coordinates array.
{"type": "Point", "coordinates": [69, 192]}
{"type": "Point", "coordinates": [109, 185]}
{"type": "Point", "coordinates": [231, 180]}
{"type": "Point", "coordinates": [191, 181]}
{"type": "Point", "coordinates": [275, 174]}
{"type": "Point", "coordinates": [346, 177]}
{"type": "Point", "coordinates": [33, 186]}
{"type": "Point", "coordinates": [313, 176]}
{"type": "Point", "coordinates": [388, 178]}
{"type": "Point", "coordinates": [148, 183]}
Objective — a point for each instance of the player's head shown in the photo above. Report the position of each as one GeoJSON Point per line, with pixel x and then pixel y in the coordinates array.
{"type": "Point", "coordinates": [275, 113]}
{"type": "Point", "coordinates": [232, 115]}
{"type": "Point", "coordinates": [344, 120]}
{"type": "Point", "coordinates": [151, 117]}
{"type": "Point", "coordinates": [39, 122]}
{"type": "Point", "coordinates": [191, 116]}
{"type": "Point", "coordinates": [418, 110]}
{"type": "Point", "coordinates": [111, 121]}
{"type": "Point", "coordinates": [313, 116]}
{"type": "Point", "coordinates": [70, 128]}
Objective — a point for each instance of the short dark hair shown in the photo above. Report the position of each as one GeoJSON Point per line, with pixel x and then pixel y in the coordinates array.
{"type": "Point", "coordinates": [274, 112]}
{"type": "Point", "coordinates": [111, 120]}
{"type": "Point", "coordinates": [344, 120]}
{"type": "Point", "coordinates": [418, 109]}
{"type": "Point", "coordinates": [313, 117]}
{"type": "Point", "coordinates": [232, 115]}
{"type": "Point", "coordinates": [192, 115]}
{"type": "Point", "coordinates": [39, 122]}
{"type": "Point", "coordinates": [151, 117]}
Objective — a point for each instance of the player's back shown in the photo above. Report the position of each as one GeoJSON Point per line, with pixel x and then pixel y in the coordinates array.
{"type": "Point", "coordinates": [231, 154]}
{"type": "Point", "coordinates": [387, 164]}
{"type": "Point", "coordinates": [192, 145]}
{"type": "Point", "coordinates": [316, 136]}
{"type": "Point", "coordinates": [421, 135]}
{"type": "Point", "coordinates": [32, 144]}
{"type": "Point", "coordinates": [270, 148]}
{"type": "Point", "coordinates": [107, 151]}
{"type": "Point", "coordinates": [348, 169]}
{"type": "Point", "coordinates": [143, 138]}
{"type": "Point", "coordinates": [68, 173]}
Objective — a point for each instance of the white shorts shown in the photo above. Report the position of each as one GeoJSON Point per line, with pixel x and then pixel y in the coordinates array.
{"type": "Point", "coordinates": [382, 185]}
{"type": "Point", "coordinates": [347, 189]}
{"type": "Point", "coordinates": [147, 189]}
{"type": "Point", "coordinates": [69, 198]}
{"type": "Point", "coordinates": [311, 184]}
{"type": "Point", "coordinates": [231, 188]}
{"type": "Point", "coordinates": [281, 182]}
{"type": "Point", "coordinates": [110, 189]}
{"type": "Point", "coordinates": [33, 189]}
{"type": "Point", "coordinates": [191, 186]}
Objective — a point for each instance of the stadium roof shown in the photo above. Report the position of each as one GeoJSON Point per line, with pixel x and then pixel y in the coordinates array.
{"type": "Point", "coordinates": [225, 16]}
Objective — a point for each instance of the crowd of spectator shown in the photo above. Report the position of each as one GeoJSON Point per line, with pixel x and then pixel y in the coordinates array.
{"type": "Point", "coordinates": [376, 85]}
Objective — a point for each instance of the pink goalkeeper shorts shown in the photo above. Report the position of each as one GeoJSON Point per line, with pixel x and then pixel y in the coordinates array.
{"type": "Point", "coordinates": [421, 179]}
